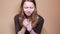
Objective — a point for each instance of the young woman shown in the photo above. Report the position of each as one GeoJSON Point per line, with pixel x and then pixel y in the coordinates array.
{"type": "Point", "coordinates": [28, 21]}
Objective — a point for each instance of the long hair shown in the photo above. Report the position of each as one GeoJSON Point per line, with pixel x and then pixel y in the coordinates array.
{"type": "Point", "coordinates": [32, 18]}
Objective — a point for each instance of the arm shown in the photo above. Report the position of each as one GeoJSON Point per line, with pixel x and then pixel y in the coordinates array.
{"type": "Point", "coordinates": [18, 28]}
{"type": "Point", "coordinates": [29, 28]}
{"type": "Point", "coordinates": [39, 26]}
{"type": "Point", "coordinates": [22, 30]}
{"type": "Point", "coordinates": [32, 32]}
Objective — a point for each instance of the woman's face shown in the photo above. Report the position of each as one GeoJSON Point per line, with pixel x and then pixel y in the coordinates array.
{"type": "Point", "coordinates": [28, 8]}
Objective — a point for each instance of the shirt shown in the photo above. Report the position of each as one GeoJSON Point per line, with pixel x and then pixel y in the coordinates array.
{"type": "Point", "coordinates": [36, 29]}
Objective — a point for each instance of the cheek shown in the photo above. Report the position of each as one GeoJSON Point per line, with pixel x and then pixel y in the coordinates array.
{"type": "Point", "coordinates": [32, 10]}
{"type": "Point", "coordinates": [25, 10]}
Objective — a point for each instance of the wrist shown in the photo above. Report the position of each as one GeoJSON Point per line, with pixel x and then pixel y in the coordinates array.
{"type": "Point", "coordinates": [22, 31]}
{"type": "Point", "coordinates": [31, 30]}
{"type": "Point", "coordinates": [23, 28]}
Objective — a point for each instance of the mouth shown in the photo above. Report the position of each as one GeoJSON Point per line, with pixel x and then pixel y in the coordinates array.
{"type": "Point", "coordinates": [28, 12]}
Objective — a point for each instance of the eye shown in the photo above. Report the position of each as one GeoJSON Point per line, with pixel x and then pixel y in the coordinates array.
{"type": "Point", "coordinates": [25, 7]}
{"type": "Point", "coordinates": [31, 7]}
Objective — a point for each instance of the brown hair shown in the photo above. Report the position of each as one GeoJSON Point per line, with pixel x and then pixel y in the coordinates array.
{"type": "Point", "coordinates": [32, 18]}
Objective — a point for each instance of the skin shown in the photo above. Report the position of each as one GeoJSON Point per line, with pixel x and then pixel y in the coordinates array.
{"type": "Point", "coordinates": [28, 8]}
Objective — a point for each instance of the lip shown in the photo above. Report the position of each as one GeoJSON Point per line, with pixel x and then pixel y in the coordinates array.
{"type": "Point", "coordinates": [29, 12]}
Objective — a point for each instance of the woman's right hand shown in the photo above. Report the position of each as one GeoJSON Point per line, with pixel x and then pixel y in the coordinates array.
{"type": "Point", "coordinates": [25, 23]}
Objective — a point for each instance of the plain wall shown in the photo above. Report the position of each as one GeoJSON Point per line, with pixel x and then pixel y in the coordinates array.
{"type": "Point", "coordinates": [49, 9]}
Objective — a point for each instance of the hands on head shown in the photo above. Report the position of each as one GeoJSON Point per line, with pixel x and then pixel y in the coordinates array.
{"type": "Point", "coordinates": [27, 24]}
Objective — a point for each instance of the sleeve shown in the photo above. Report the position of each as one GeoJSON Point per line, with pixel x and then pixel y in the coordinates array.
{"type": "Point", "coordinates": [17, 26]}
{"type": "Point", "coordinates": [39, 26]}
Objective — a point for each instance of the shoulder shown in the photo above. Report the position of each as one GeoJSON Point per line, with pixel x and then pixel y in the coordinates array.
{"type": "Point", "coordinates": [39, 25]}
{"type": "Point", "coordinates": [16, 16]}
{"type": "Point", "coordinates": [40, 19]}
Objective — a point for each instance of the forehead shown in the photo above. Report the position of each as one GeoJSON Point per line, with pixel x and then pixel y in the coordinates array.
{"type": "Point", "coordinates": [29, 4]}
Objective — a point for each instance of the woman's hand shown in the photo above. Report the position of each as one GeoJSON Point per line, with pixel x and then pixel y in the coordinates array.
{"type": "Point", "coordinates": [25, 23]}
{"type": "Point", "coordinates": [29, 27]}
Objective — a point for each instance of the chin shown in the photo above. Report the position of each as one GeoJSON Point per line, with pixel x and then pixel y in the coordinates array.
{"type": "Point", "coordinates": [28, 15]}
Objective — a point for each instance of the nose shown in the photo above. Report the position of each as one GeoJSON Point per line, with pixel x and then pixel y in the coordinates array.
{"type": "Point", "coordinates": [28, 9]}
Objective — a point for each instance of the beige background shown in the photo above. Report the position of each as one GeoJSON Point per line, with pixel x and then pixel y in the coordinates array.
{"type": "Point", "coordinates": [49, 9]}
